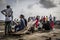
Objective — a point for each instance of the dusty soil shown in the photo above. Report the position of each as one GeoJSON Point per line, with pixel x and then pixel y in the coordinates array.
{"type": "Point", "coordinates": [52, 35]}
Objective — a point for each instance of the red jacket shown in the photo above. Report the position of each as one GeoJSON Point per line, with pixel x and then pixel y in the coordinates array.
{"type": "Point", "coordinates": [37, 23]}
{"type": "Point", "coordinates": [52, 24]}
{"type": "Point", "coordinates": [44, 18]}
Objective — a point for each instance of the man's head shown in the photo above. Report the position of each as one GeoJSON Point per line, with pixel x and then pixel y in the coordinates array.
{"type": "Point", "coordinates": [50, 15]}
{"type": "Point", "coordinates": [21, 16]}
{"type": "Point", "coordinates": [8, 6]}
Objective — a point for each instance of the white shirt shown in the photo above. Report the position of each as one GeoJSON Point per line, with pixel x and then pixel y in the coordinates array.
{"type": "Point", "coordinates": [8, 12]}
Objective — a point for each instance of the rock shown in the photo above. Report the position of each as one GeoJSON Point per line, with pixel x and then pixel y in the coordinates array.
{"type": "Point", "coordinates": [21, 39]}
{"type": "Point", "coordinates": [54, 35]}
{"type": "Point", "coordinates": [57, 38]}
{"type": "Point", "coordinates": [49, 38]}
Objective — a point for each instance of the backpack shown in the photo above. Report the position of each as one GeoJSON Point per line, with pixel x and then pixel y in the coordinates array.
{"type": "Point", "coordinates": [25, 22]}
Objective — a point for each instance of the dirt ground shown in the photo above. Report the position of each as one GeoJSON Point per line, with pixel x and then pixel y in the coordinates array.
{"type": "Point", "coordinates": [52, 35]}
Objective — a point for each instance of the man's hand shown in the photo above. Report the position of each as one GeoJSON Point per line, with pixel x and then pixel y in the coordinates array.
{"type": "Point", "coordinates": [9, 15]}
{"type": "Point", "coordinates": [3, 12]}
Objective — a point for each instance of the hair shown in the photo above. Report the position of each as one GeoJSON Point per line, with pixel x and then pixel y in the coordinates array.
{"type": "Point", "coordinates": [8, 6]}
{"type": "Point", "coordinates": [22, 16]}
{"type": "Point", "coordinates": [37, 17]}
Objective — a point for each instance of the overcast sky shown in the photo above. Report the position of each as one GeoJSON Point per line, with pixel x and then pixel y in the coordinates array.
{"type": "Point", "coordinates": [32, 7]}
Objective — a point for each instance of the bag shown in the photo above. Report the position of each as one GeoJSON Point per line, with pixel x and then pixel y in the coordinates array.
{"type": "Point", "coordinates": [25, 22]}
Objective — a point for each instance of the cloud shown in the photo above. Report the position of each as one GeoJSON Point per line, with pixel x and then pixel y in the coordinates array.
{"type": "Point", "coordinates": [47, 3]}
{"type": "Point", "coordinates": [31, 7]}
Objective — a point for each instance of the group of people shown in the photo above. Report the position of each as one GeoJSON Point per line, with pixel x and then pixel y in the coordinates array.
{"type": "Point", "coordinates": [42, 23]}
{"type": "Point", "coordinates": [35, 23]}
{"type": "Point", "coordinates": [39, 23]}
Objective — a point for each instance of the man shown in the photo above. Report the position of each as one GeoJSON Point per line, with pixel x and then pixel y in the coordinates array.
{"type": "Point", "coordinates": [21, 25]}
{"type": "Point", "coordinates": [8, 18]}
{"type": "Point", "coordinates": [54, 19]}
{"type": "Point", "coordinates": [50, 17]}
{"type": "Point", "coordinates": [46, 18]}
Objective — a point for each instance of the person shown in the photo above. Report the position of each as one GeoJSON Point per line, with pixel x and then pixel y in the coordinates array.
{"type": "Point", "coordinates": [8, 18]}
{"type": "Point", "coordinates": [46, 18]}
{"type": "Point", "coordinates": [54, 19]}
{"type": "Point", "coordinates": [50, 17]}
{"type": "Point", "coordinates": [40, 25]}
{"type": "Point", "coordinates": [46, 25]}
{"type": "Point", "coordinates": [52, 24]}
{"type": "Point", "coordinates": [37, 20]}
{"type": "Point", "coordinates": [42, 19]}
{"type": "Point", "coordinates": [25, 20]}
{"type": "Point", "coordinates": [33, 18]}
{"type": "Point", "coordinates": [21, 25]}
{"type": "Point", "coordinates": [30, 25]}
{"type": "Point", "coordinates": [29, 19]}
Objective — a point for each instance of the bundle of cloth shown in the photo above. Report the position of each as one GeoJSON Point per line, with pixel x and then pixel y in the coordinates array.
{"type": "Point", "coordinates": [30, 26]}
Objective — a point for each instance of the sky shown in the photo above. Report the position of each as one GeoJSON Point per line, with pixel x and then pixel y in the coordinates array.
{"type": "Point", "coordinates": [32, 8]}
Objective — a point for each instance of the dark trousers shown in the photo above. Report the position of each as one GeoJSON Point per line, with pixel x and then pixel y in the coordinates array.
{"type": "Point", "coordinates": [18, 28]}
{"type": "Point", "coordinates": [31, 29]}
{"type": "Point", "coordinates": [7, 27]}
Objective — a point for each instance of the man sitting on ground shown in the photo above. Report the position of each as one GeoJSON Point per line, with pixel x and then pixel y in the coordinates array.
{"type": "Point", "coordinates": [21, 25]}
